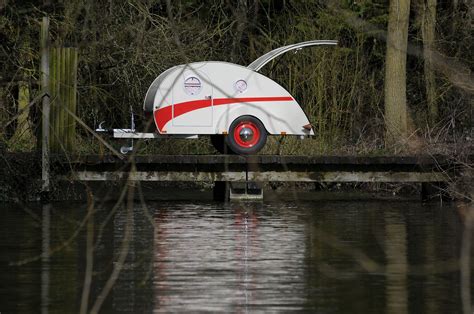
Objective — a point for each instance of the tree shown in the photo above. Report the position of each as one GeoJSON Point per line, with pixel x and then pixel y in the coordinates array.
{"type": "Point", "coordinates": [428, 22]}
{"type": "Point", "coordinates": [395, 71]}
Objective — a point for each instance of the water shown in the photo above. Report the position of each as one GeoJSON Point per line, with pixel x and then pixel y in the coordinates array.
{"type": "Point", "coordinates": [325, 257]}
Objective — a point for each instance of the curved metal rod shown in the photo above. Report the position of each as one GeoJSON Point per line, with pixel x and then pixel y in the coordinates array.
{"type": "Point", "coordinates": [269, 56]}
{"type": "Point", "coordinates": [101, 128]}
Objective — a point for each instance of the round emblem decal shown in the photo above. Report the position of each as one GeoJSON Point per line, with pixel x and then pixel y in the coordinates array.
{"type": "Point", "coordinates": [192, 85]}
{"type": "Point", "coordinates": [240, 86]}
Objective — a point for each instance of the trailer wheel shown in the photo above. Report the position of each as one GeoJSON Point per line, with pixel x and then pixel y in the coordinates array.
{"type": "Point", "coordinates": [218, 141]}
{"type": "Point", "coordinates": [247, 135]}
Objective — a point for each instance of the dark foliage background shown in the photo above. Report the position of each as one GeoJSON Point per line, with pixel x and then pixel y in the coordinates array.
{"type": "Point", "coordinates": [124, 45]}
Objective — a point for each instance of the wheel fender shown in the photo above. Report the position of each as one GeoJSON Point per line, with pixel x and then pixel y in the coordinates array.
{"type": "Point", "coordinates": [226, 119]}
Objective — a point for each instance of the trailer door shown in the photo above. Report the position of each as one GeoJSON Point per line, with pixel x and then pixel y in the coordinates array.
{"type": "Point", "coordinates": [192, 100]}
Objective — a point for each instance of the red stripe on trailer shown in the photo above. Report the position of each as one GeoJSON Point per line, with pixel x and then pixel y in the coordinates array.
{"type": "Point", "coordinates": [165, 115]}
{"type": "Point", "coordinates": [225, 101]}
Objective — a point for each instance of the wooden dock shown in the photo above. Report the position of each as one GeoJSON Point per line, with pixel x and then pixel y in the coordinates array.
{"type": "Point", "coordinates": [258, 168]}
{"type": "Point", "coordinates": [223, 172]}
{"type": "Point", "coordinates": [236, 176]}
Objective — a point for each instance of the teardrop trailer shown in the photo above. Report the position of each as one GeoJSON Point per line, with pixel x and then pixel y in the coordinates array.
{"type": "Point", "coordinates": [236, 105]}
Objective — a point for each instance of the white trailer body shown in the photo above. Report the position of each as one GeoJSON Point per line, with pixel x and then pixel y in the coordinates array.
{"type": "Point", "coordinates": [206, 97]}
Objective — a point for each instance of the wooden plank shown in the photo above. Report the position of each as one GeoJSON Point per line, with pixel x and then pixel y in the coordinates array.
{"type": "Point", "coordinates": [66, 102]}
{"type": "Point", "coordinates": [62, 56]}
{"type": "Point", "coordinates": [158, 176]}
{"type": "Point", "coordinates": [281, 160]}
{"type": "Point", "coordinates": [346, 176]}
{"type": "Point", "coordinates": [68, 123]}
{"type": "Point", "coordinates": [45, 166]}
{"type": "Point", "coordinates": [72, 98]}
{"type": "Point", "coordinates": [63, 82]}
{"type": "Point", "coordinates": [56, 95]}
{"type": "Point", "coordinates": [269, 176]}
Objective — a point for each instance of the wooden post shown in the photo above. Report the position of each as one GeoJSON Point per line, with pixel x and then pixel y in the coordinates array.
{"type": "Point", "coordinates": [63, 82]}
{"type": "Point", "coordinates": [72, 96]}
{"type": "Point", "coordinates": [44, 44]}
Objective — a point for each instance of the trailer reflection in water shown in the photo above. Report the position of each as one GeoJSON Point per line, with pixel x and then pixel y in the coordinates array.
{"type": "Point", "coordinates": [245, 250]}
{"type": "Point", "coordinates": [222, 260]}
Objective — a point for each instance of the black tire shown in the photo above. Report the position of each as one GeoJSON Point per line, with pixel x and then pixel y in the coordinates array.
{"type": "Point", "coordinates": [250, 143]}
{"type": "Point", "coordinates": [218, 141]}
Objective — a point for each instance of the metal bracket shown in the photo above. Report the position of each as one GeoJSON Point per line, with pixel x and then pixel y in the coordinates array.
{"type": "Point", "coordinates": [127, 149]}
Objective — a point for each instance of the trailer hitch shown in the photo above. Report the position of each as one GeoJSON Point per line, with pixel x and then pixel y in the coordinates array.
{"type": "Point", "coordinates": [124, 149]}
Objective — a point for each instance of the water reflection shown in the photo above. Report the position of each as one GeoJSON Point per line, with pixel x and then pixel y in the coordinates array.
{"type": "Point", "coordinates": [45, 253]}
{"type": "Point", "coordinates": [245, 242]}
{"type": "Point", "coordinates": [431, 305]}
{"type": "Point", "coordinates": [397, 264]}
{"type": "Point", "coordinates": [223, 259]}
{"type": "Point", "coordinates": [325, 257]}
{"type": "Point", "coordinates": [132, 290]}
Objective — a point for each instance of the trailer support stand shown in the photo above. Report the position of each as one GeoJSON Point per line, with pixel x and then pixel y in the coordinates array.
{"type": "Point", "coordinates": [245, 191]}
{"type": "Point", "coordinates": [225, 191]}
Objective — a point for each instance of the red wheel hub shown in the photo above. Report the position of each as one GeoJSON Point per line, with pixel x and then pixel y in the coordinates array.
{"type": "Point", "coordinates": [246, 134]}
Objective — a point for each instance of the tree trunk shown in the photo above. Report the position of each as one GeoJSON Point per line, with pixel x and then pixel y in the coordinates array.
{"type": "Point", "coordinates": [23, 135]}
{"type": "Point", "coordinates": [23, 138]}
{"type": "Point", "coordinates": [395, 72]}
{"type": "Point", "coordinates": [428, 23]}
{"type": "Point", "coordinates": [3, 115]}
{"type": "Point", "coordinates": [240, 15]}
